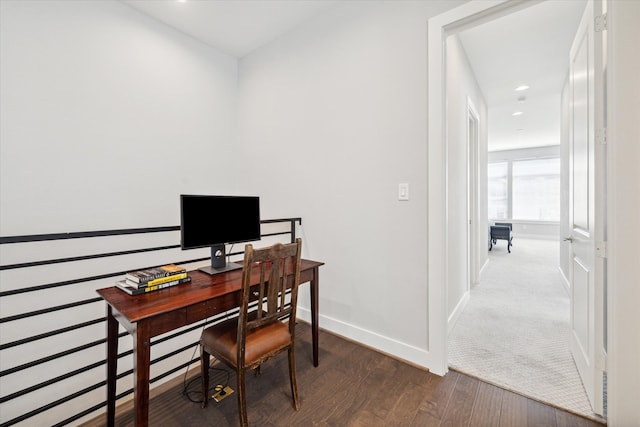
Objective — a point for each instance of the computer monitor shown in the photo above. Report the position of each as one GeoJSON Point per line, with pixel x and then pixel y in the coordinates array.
{"type": "Point", "coordinates": [214, 221]}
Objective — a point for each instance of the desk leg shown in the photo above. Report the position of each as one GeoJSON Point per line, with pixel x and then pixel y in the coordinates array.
{"type": "Point", "coordinates": [313, 288]}
{"type": "Point", "coordinates": [141, 357]}
{"type": "Point", "coordinates": [112, 365]}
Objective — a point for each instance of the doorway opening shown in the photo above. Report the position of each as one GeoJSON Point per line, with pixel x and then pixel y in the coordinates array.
{"type": "Point", "coordinates": [441, 165]}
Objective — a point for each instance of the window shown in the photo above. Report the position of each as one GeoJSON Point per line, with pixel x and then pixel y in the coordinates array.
{"type": "Point", "coordinates": [536, 190]}
{"type": "Point", "coordinates": [527, 189]}
{"type": "Point", "coordinates": [499, 190]}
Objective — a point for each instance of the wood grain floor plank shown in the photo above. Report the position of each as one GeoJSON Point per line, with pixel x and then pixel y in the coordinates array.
{"type": "Point", "coordinates": [358, 367]}
{"type": "Point", "coordinates": [486, 410]}
{"type": "Point", "coordinates": [460, 407]}
{"type": "Point", "coordinates": [405, 409]}
{"type": "Point", "coordinates": [387, 380]}
{"type": "Point", "coordinates": [539, 414]}
{"type": "Point", "coordinates": [514, 410]}
{"type": "Point", "coordinates": [424, 419]}
{"type": "Point", "coordinates": [566, 419]}
{"type": "Point", "coordinates": [438, 394]}
{"type": "Point", "coordinates": [364, 418]}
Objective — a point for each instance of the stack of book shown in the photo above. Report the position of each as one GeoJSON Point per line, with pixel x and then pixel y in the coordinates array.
{"type": "Point", "coordinates": [153, 279]}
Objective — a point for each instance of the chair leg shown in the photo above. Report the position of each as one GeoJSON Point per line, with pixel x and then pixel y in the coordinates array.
{"type": "Point", "coordinates": [292, 378]}
{"type": "Point", "coordinates": [204, 374]}
{"type": "Point", "coordinates": [242, 398]}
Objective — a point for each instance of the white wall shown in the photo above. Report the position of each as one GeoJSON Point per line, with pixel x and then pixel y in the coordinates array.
{"type": "Point", "coordinates": [106, 117]}
{"type": "Point", "coordinates": [623, 199]}
{"type": "Point", "coordinates": [462, 87]}
{"type": "Point", "coordinates": [332, 117]}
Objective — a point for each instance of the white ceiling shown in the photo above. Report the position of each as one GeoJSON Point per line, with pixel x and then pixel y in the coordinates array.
{"type": "Point", "coordinates": [232, 26]}
{"type": "Point", "coordinates": [529, 47]}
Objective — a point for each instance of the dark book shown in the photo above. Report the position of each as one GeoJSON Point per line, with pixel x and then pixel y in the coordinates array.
{"type": "Point", "coordinates": [135, 290]}
{"type": "Point", "coordinates": [159, 281]}
{"type": "Point", "coordinates": [144, 276]}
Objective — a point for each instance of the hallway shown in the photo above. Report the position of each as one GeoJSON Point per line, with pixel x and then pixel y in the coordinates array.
{"type": "Point", "coordinates": [514, 331]}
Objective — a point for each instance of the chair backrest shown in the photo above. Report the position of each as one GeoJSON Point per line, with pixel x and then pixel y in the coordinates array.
{"type": "Point", "coordinates": [505, 224]}
{"type": "Point", "coordinates": [276, 268]}
{"type": "Point", "coordinates": [500, 232]}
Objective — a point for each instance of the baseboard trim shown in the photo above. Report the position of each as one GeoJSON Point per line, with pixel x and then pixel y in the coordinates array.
{"type": "Point", "coordinates": [455, 315]}
{"type": "Point", "coordinates": [486, 262]}
{"type": "Point", "coordinates": [416, 356]}
{"type": "Point", "coordinates": [536, 236]}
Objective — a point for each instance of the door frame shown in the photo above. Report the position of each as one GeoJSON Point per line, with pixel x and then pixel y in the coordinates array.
{"type": "Point", "coordinates": [473, 192]}
{"type": "Point", "coordinates": [623, 201]}
{"type": "Point", "coordinates": [439, 27]}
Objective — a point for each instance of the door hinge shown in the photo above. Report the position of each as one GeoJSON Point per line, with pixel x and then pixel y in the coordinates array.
{"type": "Point", "coordinates": [601, 249]}
{"type": "Point", "coordinates": [600, 23]}
{"type": "Point", "coordinates": [601, 136]}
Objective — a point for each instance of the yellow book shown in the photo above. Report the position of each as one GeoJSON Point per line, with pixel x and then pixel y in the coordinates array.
{"type": "Point", "coordinates": [166, 279]}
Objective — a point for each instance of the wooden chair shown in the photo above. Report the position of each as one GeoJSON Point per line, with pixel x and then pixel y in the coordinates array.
{"type": "Point", "coordinates": [262, 330]}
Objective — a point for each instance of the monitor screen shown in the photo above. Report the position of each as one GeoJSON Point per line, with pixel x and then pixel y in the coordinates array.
{"type": "Point", "coordinates": [215, 221]}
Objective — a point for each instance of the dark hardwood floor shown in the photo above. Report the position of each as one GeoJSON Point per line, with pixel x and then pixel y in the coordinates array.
{"type": "Point", "coordinates": [353, 386]}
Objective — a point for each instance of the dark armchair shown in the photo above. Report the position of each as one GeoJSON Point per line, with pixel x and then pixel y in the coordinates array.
{"type": "Point", "coordinates": [501, 231]}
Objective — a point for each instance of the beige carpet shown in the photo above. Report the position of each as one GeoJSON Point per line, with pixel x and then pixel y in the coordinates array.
{"type": "Point", "coordinates": [514, 331]}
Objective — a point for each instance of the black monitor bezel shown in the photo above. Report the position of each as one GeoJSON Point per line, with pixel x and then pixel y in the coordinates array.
{"type": "Point", "coordinates": [221, 202]}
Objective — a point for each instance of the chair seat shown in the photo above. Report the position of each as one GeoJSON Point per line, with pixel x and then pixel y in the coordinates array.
{"type": "Point", "coordinates": [264, 340]}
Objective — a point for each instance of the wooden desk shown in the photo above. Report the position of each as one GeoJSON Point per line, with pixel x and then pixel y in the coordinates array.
{"type": "Point", "coordinates": [148, 315]}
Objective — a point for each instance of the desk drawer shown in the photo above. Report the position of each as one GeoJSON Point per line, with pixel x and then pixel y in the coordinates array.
{"type": "Point", "coordinates": [166, 322]}
{"type": "Point", "coordinates": [210, 308]}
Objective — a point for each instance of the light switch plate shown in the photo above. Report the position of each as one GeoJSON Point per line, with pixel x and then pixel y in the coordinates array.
{"type": "Point", "coordinates": [403, 191]}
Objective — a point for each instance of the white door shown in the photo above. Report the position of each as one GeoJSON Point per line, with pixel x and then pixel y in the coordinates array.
{"type": "Point", "coordinates": [586, 214]}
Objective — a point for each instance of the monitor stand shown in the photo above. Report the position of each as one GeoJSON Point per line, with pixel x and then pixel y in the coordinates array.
{"type": "Point", "coordinates": [230, 266]}
{"type": "Point", "coordinates": [219, 262]}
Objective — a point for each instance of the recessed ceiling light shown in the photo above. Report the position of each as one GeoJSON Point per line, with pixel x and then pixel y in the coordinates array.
{"type": "Point", "coordinates": [517, 113]}
{"type": "Point", "coordinates": [521, 88]}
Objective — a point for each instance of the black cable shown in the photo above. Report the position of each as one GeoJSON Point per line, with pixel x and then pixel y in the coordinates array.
{"type": "Point", "coordinates": [186, 385]}
{"type": "Point", "coordinates": [195, 394]}
{"type": "Point", "coordinates": [229, 253]}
